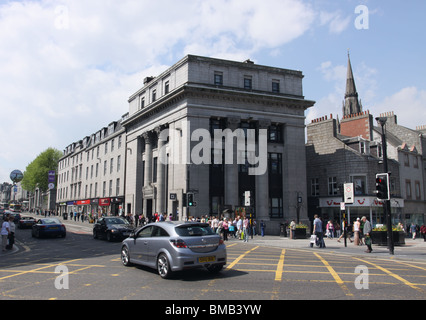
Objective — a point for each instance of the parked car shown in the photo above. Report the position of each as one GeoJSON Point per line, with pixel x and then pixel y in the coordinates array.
{"type": "Point", "coordinates": [112, 228]}
{"type": "Point", "coordinates": [26, 222]}
{"type": "Point", "coordinates": [48, 227]}
{"type": "Point", "coordinates": [173, 246]}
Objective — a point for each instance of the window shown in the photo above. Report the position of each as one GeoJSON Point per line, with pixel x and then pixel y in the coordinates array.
{"type": "Point", "coordinates": [275, 133]}
{"type": "Point", "coordinates": [112, 145]}
{"type": "Point", "coordinates": [119, 142]}
{"type": "Point", "coordinates": [416, 162]}
{"type": "Point", "coordinates": [359, 184]}
{"type": "Point", "coordinates": [154, 95]}
{"type": "Point", "coordinates": [110, 188]}
{"type": "Point", "coordinates": [406, 160]}
{"type": "Point", "coordinates": [118, 163]}
{"type": "Point", "coordinates": [96, 189]}
{"type": "Point", "coordinates": [142, 102]}
{"type": "Point", "coordinates": [275, 163]}
{"type": "Point", "coordinates": [276, 205]}
{"type": "Point", "coordinates": [248, 83]}
{"type": "Point", "coordinates": [315, 187]}
{"type": "Point", "coordinates": [111, 167]}
{"type": "Point", "coordinates": [363, 147]}
{"type": "Point", "coordinates": [332, 186]}
{"type": "Point", "coordinates": [417, 190]}
{"type": "Point", "coordinates": [166, 87]}
{"type": "Point", "coordinates": [117, 187]}
{"type": "Point", "coordinates": [105, 167]}
{"type": "Point", "coordinates": [106, 147]}
{"type": "Point", "coordinates": [104, 189]}
{"type": "Point", "coordinates": [408, 189]}
{"type": "Point", "coordinates": [218, 79]}
{"type": "Point", "coordinates": [275, 86]}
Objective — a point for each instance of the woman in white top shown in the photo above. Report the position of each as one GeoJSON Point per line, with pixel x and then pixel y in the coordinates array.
{"type": "Point", "coordinates": [5, 230]}
{"type": "Point", "coordinates": [357, 223]}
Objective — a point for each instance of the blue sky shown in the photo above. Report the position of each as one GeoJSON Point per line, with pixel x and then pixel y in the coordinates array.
{"type": "Point", "coordinates": [68, 67]}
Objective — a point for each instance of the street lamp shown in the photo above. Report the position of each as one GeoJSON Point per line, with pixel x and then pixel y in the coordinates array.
{"type": "Point", "coordinates": [386, 203]}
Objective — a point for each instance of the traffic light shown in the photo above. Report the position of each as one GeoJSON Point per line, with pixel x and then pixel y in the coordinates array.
{"type": "Point", "coordinates": [190, 199]}
{"type": "Point", "coordinates": [382, 186]}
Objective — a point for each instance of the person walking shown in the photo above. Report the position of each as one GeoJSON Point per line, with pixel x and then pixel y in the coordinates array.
{"type": "Point", "coordinates": [292, 229]}
{"type": "Point", "coordinates": [262, 228]}
{"type": "Point", "coordinates": [11, 236]}
{"type": "Point", "coordinates": [318, 231]}
{"type": "Point", "coordinates": [357, 223]}
{"type": "Point", "coordinates": [330, 230]}
{"type": "Point", "coordinates": [246, 229]}
{"type": "Point", "coordinates": [413, 229]}
{"type": "Point", "coordinates": [5, 230]}
{"type": "Point", "coordinates": [367, 231]}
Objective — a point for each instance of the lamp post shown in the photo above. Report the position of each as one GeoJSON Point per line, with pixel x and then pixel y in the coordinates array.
{"type": "Point", "coordinates": [386, 203]}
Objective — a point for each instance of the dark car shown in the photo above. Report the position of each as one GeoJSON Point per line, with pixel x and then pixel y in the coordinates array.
{"type": "Point", "coordinates": [26, 222]}
{"type": "Point", "coordinates": [48, 227]}
{"type": "Point", "coordinates": [112, 228]}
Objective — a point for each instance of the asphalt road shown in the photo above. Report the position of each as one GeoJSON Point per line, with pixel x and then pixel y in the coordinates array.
{"type": "Point", "coordinates": [80, 267]}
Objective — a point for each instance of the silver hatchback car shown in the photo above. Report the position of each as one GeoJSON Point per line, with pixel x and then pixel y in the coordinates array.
{"type": "Point", "coordinates": [173, 246]}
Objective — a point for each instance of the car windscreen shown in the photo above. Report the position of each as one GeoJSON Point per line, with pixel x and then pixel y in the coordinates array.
{"type": "Point", "coordinates": [50, 221]}
{"type": "Point", "coordinates": [194, 230]}
{"type": "Point", "coordinates": [116, 221]}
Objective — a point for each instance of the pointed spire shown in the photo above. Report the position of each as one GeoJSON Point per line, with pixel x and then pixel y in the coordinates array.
{"type": "Point", "coordinates": [352, 104]}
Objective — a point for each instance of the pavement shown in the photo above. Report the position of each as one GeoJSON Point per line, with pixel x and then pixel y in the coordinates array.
{"type": "Point", "coordinates": [413, 250]}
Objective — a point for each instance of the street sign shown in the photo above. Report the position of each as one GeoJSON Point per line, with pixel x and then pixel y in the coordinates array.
{"type": "Point", "coordinates": [348, 192]}
{"type": "Point", "coordinates": [247, 201]}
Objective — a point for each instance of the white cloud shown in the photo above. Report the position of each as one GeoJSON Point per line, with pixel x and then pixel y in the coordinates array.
{"type": "Point", "coordinates": [409, 105]}
{"type": "Point", "coordinates": [336, 23]}
{"type": "Point", "coordinates": [68, 67]}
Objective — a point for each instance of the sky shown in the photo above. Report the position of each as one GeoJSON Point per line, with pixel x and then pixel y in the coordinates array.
{"type": "Point", "coordinates": [67, 68]}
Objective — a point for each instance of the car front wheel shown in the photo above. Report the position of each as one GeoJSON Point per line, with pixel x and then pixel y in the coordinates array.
{"type": "Point", "coordinates": [163, 266]}
{"type": "Point", "coordinates": [125, 257]}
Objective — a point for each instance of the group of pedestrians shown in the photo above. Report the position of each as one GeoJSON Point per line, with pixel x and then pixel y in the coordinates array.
{"type": "Point", "coordinates": [7, 234]}
{"type": "Point", "coordinates": [318, 231]}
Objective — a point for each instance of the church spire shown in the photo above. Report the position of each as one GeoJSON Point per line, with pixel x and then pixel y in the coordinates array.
{"type": "Point", "coordinates": [351, 105]}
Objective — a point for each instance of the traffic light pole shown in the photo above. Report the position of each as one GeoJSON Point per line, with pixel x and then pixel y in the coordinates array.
{"type": "Point", "coordinates": [386, 203]}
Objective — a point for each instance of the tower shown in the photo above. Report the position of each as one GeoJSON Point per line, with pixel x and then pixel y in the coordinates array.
{"type": "Point", "coordinates": [351, 104]}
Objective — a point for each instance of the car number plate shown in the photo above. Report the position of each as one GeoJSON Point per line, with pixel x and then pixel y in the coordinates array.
{"type": "Point", "coordinates": [54, 228]}
{"type": "Point", "coordinates": [206, 259]}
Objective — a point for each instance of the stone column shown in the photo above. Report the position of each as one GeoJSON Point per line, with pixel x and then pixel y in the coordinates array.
{"type": "Point", "coordinates": [262, 185]}
{"type": "Point", "coordinates": [161, 170]}
{"type": "Point", "coordinates": [231, 170]}
{"type": "Point", "coordinates": [147, 188]}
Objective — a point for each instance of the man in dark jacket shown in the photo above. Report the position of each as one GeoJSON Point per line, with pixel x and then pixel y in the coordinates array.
{"type": "Point", "coordinates": [367, 231]}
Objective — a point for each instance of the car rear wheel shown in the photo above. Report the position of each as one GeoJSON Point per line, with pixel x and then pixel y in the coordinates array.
{"type": "Point", "coordinates": [95, 234]}
{"type": "Point", "coordinates": [163, 266]}
{"type": "Point", "coordinates": [125, 257]}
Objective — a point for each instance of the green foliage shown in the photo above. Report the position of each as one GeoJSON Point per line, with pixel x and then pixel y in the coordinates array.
{"type": "Point", "coordinates": [36, 173]}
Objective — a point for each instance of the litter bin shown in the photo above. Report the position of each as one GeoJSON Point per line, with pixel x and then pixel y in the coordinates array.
{"type": "Point", "coordinates": [65, 216]}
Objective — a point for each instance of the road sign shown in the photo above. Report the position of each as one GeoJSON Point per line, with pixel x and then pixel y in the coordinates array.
{"type": "Point", "coordinates": [348, 192]}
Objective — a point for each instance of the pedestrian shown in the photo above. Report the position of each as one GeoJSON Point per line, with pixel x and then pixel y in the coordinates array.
{"type": "Point", "coordinates": [367, 231]}
{"type": "Point", "coordinates": [330, 230]}
{"type": "Point", "coordinates": [292, 229]}
{"type": "Point", "coordinates": [423, 232]}
{"type": "Point", "coordinates": [346, 228]}
{"type": "Point", "coordinates": [318, 231]}
{"type": "Point", "coordinates": [262, 228]}
{"type": "Point", "coordinates": [246, 229]}
{"type": "Point", "coordinates": [356, 225]}
{"type": "Point", "coordinates": [5, 230]}
{"type": "Point", "coordinates": [239, 227]}
{"type": "Point", "coordinates": [413, 229]}
{"type": "Point", "coordinates": [11, 236]}
{"type": "Point", "coordinates": [225, 229]}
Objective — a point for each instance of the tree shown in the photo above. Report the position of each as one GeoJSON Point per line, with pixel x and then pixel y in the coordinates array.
{"type": "Point", "coordinates": [36, 173]}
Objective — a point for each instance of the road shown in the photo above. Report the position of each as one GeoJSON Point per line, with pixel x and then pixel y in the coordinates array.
{"type": "Point", "coordinates": [254, 272]}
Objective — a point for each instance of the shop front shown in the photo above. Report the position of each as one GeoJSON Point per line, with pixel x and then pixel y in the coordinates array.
{"type": "Point", "coordinates": [368, 206]}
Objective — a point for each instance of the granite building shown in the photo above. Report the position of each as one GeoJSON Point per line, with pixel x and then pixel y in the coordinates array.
{"type": "Point", "coordinates": [204, 126]}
